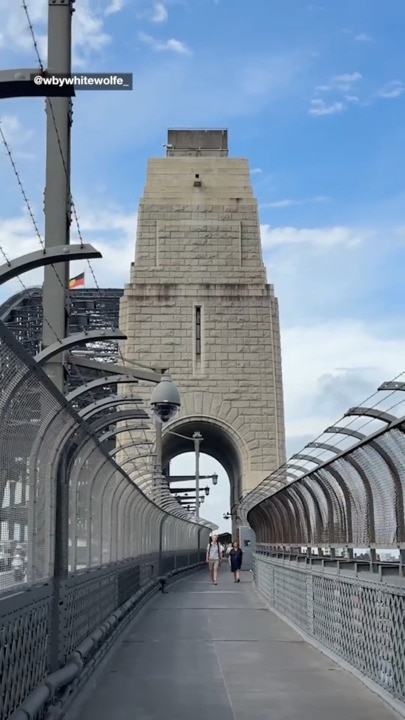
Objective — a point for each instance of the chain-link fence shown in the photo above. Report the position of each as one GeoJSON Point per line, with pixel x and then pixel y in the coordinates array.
{"type": "Point", "coordinates": [346, 488]}
{"type": "Point", "coordinates": [358, 618]}
{"type": "Point", "coordinates": [78, 539]}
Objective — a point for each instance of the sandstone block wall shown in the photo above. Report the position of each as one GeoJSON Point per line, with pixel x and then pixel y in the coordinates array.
{"type": "Point", "coordinates": [198, 302]}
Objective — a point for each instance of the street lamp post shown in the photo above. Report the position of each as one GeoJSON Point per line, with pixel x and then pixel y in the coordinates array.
{"type": "Point", "coordinates": [183, 478]}
{"type": "Point", "coordinates": [197, 437]}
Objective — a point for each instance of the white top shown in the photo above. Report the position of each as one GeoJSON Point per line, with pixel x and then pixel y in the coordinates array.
{"type": "Point", "coordinates": [213, 551]}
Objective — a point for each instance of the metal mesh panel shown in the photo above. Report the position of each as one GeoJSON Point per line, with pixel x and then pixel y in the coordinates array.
{"type": "Point", "coordinates": [383, 494]}
{"type": "Point", "coordinates": [308, 501]}
{"type": "Point", "coordinates": [303, 521]}
{"type": "Point", "coordinates": [338, 503]}
{"type": "Point", "coordinates": [319, 494]}
{"type": "Point", "coordinates": [356, 499]}
{"type": "Point", "coordinates": [290, 595]}
{"type": "Point", "coordinates": [129, 582]}
{"type": "Point", "coordinates": [359, 620]}
{"type": "Point", "coordinates": [25, 628]}
{"type": "Point", "coordinates": [87, 604]}
{"type": "Point", "coordinates": [182, 561]}
{"type": "Point", "coordinates": [66, 509]}
{"type": "Point", "coordinates": [394, 444]}
{"type": "Point", "coordinates": [26, 493]}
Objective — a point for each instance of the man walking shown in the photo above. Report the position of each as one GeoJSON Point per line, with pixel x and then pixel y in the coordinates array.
{"type": "Point", "coordinates": [214, 557]}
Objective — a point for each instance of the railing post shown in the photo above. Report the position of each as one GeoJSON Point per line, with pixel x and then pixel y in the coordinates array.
{"type": "Point", "coordinates": [199, 543]}
{"type": "Point", "coordinates": [61, 563]}
{"type": "Point", "coordinates": [310, 601]}
{"type": "Point", "coordinates": [160, 561]}
{"type": "Point", "coordinates": [402, 562]}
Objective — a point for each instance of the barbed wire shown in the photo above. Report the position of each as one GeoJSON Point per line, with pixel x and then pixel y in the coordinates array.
{"type": "Point", "coordinates": [58, 139]}
{"type": "Point", "coordinates": [26, 290]}
{"type": "Point", "coordinates": [28, 205]}
{"type": "Point", "coordinates": [32, 32]}
{"type": "Point", "coordinates": [78, 231]}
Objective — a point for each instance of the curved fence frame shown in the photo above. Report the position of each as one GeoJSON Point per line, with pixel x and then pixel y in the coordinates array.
{"type": "Point", "coordinates": [329, 497]}
{"type": "Point", "coordinates": [322, 522]}
{"type": "Point", "coordinates": [96, 544]}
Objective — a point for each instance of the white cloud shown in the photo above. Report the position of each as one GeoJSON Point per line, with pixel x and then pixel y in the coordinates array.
{"type": "Point", "coordinates": [172, 45]}
{"type": "Point", "coordinates": [87, 33]}
{"type": "Point", "coordinates": [362, 37]}
{"type": "Point", "coordinates": [256, 171]}
{"type": "Point", "coordinates": [160, 14]}
{"type": "Point", "coordinates": [346, 81]}
{"type": "Point", "coordinates": [87, 29]}
{"type": "Point", "coordinates": [352, 99]}
{"type": "Point", "coordinates": [17, 237]}
{"type": "Point", "coordinates": [392, 89]}
{"type": "Point", "coordinates": [320, 237]}
{"type": "Point", "coordinates": [337, 84]}
{"type": "Point", "coordinates": [340, 82]}
{"type": "Point", "coordinates": [114, 7]}
{"type": "Point", "coordinates": [315, 365]}
{"type": "Point", "coordinates": [320, 108]}
{"type": "Point", "coordinates": [14, 132]}
{"type": "Point", "coordinates": [344, 84]}
{"type": "Point", "coordinates": [291, 203]}
{"type": "Point", "coordinates": [111, 231]}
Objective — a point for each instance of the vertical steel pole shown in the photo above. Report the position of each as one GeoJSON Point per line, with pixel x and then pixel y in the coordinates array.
{"type": "Point", "coordinates": [157, 475]}
{"type": "Point", "coordinates": [55, 288]}
{"type": "Point", "coordinates": [197, 440]}
{"type": "Point", "coordinates": [57, 188]}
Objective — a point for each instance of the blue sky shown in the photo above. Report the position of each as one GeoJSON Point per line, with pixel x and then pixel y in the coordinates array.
{"type": "Point", "coordinates": [313, 94]}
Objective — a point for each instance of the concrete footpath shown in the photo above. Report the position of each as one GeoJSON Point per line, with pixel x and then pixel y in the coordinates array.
{"type": "Point", "coordinates": [216, 652]}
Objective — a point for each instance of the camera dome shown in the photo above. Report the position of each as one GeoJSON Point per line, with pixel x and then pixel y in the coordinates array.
{"type": "Point", "coordinates": [165, 400]}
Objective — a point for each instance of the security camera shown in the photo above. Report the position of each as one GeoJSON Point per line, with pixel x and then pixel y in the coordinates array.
{"type": "Point", "coordinates": [163, 412]}
{"type": "Point", "coordinates": [165, 400]}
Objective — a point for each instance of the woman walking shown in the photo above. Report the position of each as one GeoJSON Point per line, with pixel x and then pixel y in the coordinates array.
{"type": "Point", "coordinates": [235, 561]}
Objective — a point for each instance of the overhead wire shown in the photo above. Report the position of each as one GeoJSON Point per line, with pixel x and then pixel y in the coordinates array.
{"type": "Point", "coordinates": [66, 170]}
{"type": "Point", "coordinates": [30, 209]}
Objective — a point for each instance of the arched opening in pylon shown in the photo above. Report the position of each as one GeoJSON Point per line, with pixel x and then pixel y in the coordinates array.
{"type": "Point", "coordinates": [215, 502]}
{"type": "Point", "coordinates": [217, 447]}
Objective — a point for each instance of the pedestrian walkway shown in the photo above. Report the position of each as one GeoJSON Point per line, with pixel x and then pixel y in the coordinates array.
{"type": "Point", "coordinates": [203, 651]}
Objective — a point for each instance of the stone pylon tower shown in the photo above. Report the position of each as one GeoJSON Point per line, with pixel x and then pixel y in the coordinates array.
{"type": "Point", "coordinates": [198, 302]}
